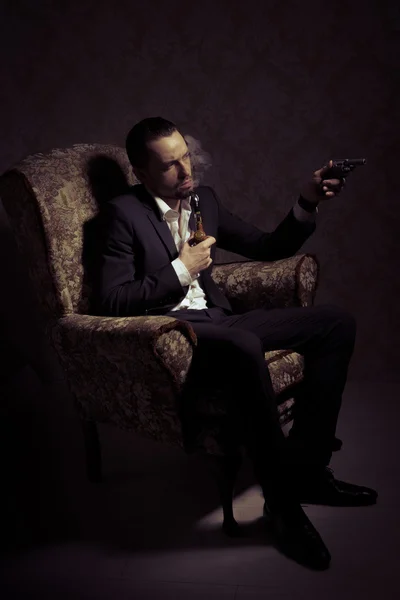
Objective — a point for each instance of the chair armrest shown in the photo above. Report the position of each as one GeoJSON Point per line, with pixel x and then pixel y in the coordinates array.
{"type": "Point", "coordinates": [162, 342]}
{"type": "Point", "coordinates": [288, 282]}
{"type": "Point", "coordinates": [128, 371]}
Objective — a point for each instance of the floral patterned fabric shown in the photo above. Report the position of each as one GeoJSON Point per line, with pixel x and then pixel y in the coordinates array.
{"type": "Point", "coordinates": [55, 202]}
{"type": "Point", "coordinates": [127, 370]}
{"type": "Point", "coordinates": [282, 283]}
{"type": "Point", "coordinates": [130, 371]}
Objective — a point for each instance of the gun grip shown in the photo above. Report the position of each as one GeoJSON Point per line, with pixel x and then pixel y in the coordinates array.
{"type": "Point", "coordinates": [337, 173]}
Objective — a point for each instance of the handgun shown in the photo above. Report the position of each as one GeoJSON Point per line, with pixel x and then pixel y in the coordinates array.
{"type": "Point", "coordinates": [342, 167]}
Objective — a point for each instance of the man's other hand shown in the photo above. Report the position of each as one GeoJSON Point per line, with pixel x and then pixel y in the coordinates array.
{"type": "Point", "coordinates": [320, 188]}
{"type": "Point", "coordinates": [197, 258]}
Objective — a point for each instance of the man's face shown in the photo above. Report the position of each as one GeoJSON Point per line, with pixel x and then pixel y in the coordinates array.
{"type": "Point", "coordinates": [168, 173]}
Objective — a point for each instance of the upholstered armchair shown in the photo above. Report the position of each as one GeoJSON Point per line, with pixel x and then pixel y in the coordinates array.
{"type": "Point", "coordinates": [130, 371]}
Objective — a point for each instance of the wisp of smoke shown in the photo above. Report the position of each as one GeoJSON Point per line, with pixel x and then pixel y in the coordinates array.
{"type": "Point", "coordinates": [200, 159]}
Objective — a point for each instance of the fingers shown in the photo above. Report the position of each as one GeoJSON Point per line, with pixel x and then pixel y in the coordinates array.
{"type": "Point", "coordinates": [324, 169]}
{"type": "Point", "coordinates": [332, 182]}
{"type": "Point", "coordinates": [209, 241]}
{"type": "Point", "coordinates": [332, 187]}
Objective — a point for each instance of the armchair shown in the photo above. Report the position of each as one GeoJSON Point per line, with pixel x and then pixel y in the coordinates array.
{"type": "Point", "coordinates": [130, 371]}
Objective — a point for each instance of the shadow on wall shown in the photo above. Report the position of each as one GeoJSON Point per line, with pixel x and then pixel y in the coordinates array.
{"type": "Point", "coordinates": [107, 180]}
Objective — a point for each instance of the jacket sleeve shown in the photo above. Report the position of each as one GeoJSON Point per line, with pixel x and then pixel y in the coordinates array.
{"type": "Point", "coordinates": [121, 290]}
{"type": "Point", "coordinates": [235, 235]}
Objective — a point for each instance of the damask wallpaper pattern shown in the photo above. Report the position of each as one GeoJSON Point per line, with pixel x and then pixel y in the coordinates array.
{"type": "Point", "coordinates": [272, 89]}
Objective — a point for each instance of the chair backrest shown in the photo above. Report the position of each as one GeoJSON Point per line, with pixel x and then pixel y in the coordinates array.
{"type": "Point", "coordinates": [51, 199]}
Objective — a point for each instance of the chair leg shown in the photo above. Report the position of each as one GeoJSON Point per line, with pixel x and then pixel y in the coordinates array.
{"type": "Point", "coordinates": [93, 451]}
{"type": "Point", "coordinates": [226, 469]}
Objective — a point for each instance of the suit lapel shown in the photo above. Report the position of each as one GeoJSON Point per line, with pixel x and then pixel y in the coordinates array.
{"type": "Point", "coordinates": [164, 233]}
{"type": "Point", "coordinates": [157, 222]}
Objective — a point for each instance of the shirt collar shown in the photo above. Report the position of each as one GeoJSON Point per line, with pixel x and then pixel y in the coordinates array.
{"type": "Point", "coordinates": [166, 212]}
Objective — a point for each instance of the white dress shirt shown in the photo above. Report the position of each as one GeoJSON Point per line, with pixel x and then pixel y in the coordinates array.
{"type": "Point", "coordinates": [179, 228]}
{"type": "Point", "coordinates": [195, 297]}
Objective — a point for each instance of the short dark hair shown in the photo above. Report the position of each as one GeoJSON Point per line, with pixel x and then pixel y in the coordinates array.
{"type": "Point", "coordinates": [145, 131]}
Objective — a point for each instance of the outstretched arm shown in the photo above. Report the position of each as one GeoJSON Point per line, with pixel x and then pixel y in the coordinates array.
{"type": "Point", "coordinates": [235, 235]}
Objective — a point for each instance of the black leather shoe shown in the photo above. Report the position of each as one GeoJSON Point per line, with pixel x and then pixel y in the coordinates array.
{"type": "Point", "coordinates": [297, 537]}
{"type": "Point", "coordinates": [323, 488]}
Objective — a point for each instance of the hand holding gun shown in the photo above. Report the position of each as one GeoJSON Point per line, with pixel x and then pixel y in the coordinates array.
{"type": "Point", "coordinates": [327, 182]}
{"type": "Point", "coordinates": [332, 178]}
{"type": "Point", "coordinates": [341, 167]}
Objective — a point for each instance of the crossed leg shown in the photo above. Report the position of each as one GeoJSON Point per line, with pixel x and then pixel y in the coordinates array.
{"type": "Point", "coordinates": [232, 347]}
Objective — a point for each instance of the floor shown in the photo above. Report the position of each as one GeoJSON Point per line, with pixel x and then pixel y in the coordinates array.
{"type": "Point", "coordinates": [152, 528]}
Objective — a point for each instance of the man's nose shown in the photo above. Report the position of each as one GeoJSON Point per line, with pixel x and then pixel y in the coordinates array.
{"type": "Point", "coordinates": [184, 171]}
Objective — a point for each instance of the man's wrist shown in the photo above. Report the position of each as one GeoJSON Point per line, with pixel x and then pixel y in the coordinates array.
{"type": "Point", "coordinates": [184, 276]}
{"type": "Point", "coordinates": [307, 205]}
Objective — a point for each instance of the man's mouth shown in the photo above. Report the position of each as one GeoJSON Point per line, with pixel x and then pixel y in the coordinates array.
{"type": "Point", "coordinates": [186, 183]}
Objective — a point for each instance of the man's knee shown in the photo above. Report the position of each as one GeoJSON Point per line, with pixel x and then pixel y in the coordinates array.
{"type": "Point", "coordinates": [244, 345]}
{"type": "Point", "coordinates": [341, 320]}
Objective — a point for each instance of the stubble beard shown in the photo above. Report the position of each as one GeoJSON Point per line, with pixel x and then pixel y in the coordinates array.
{"type": "Point", "coordinates": [182, 194]}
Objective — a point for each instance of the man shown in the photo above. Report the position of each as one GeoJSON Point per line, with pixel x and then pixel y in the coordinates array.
{"type": "Point", "coordinates": [149, 267]}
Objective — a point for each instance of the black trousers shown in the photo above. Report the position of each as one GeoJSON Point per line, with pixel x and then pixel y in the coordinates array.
{"type": "Point", "coordinates": [232, 347]}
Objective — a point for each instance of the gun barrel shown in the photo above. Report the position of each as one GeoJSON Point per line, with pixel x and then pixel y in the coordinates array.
{"type": "Point", "coordinates": [351, 161]}
{"type": "Point", "coordinates": [357, 161]}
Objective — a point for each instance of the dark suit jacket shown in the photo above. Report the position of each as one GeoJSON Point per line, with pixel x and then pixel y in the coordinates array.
{"type": "Point", "coordinates": [135, 275]}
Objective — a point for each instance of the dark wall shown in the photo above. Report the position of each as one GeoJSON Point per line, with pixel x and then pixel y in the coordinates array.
{"type": "Point", "coordinates": [271, 88]}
